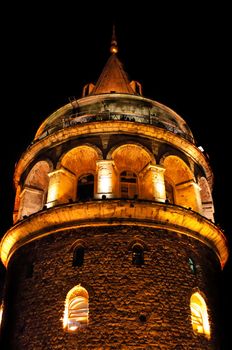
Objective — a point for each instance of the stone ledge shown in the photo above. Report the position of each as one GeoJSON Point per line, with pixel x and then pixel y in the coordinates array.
{"type": "Point", "coordinates": [114, 212]}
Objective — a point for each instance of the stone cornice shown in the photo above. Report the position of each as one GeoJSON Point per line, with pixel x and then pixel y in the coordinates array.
{"type": "Point", "coordinates": [114, 212]}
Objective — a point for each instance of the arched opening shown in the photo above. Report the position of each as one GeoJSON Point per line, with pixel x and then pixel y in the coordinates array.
{"type": "Point", "coordinates": [1, 313]}
{"type": "Point", "coordinates": [34, 192]}
{"type": "Point", "coordinates": [78, 256]}
{"type": "Point", "coordinates": [85, 187]}
{"type": "Point", "coordinates": [192, 265]}
{"type": "Point", "coordinates": [206, 199]}
{"type": "Point", "coordinates": [199, 315]}
{"type": "Point", "coordinates": [137, 254]}
{"type": "Point", "coordinates": [185, 190]}
{"type": "Point", "coordinates": [76, 309]}
{"type": "Point", "coordinates": [128, 185]}
{"type": "Point", "coordinates": [75, 175]}
{"type": "Point", "coordinates": [130, 160]}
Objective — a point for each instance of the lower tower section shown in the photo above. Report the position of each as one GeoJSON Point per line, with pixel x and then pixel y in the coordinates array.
{"type": "Point", "coordinates": [111, 284]}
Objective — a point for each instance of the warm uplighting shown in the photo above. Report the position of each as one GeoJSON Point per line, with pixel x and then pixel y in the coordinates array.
{"type": "Point", "coordinates": [199, 315]}
{"type": "Point", "coordinates": [157, 179]}
{"type": "Point", "coordinates": [52, 195]}
{"type": "Point", "coordinates": [76, 309]}
{"type": "Point", "coordinates": [61, 187]}
{"type": "Point", "coordinates": [1, 312]}
{"type": "Point", "coordinates": [106, 177]}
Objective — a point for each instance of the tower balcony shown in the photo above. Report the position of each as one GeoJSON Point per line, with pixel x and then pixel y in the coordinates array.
{"type": "Point", "coordinates": [114, 212]}
{"type": "Point", "coordinates": [96, 116]}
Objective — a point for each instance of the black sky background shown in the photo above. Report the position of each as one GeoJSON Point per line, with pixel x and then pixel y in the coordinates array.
{"type": "Point", "coordinates": [179, 53]}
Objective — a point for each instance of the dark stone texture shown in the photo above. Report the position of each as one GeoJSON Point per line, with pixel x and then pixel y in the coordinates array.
{"type": "Point", "coordinates": [119, 292]}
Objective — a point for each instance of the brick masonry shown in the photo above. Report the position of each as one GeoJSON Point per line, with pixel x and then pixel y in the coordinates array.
{"type": "Point", "coordinates": [119, 292]}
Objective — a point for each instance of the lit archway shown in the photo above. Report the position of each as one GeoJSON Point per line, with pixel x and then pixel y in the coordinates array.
{"type": "Point", "coordinates": [199, 315]}
{"type": "Point", "coordinates": [34, 192]}
{"type": "Point", "coordinates": [184, 186]}
{"type": "Point", "coordinates": [80, 166]}
{"type": "Point", "coordinates": [206, 199]}
{"type": "Point", "coordinates": [130, 160]}
{"type": "Point", "coordinates": [76, 309]}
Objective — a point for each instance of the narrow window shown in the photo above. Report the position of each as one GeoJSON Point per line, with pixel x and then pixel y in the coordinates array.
{"type": "Point", "coordinates": [192, 265]}
{"type": "Point", "coordinates": [138, 254]}
{"type": "Point", "coordinates": [78, 256]}
{"type": "Point", "coordinates": [128, 184]}
{"type": "Point", "coordinates": [199, 315]}
{"type": "Point", "coordinates": [76, 309]}
{"type": "Point", "coordinates": [1, 312]}
{"type": "Point", "coordinates": [85, 187]}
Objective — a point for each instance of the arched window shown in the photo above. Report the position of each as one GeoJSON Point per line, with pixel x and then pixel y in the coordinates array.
{"type": "Point", "coordinates": [1, 312]}
{"type": "Point", "coordinates": [76, 309]}
{"type": "Point", "coordinates": [128, 184]}
{"type": "Point", "coordinates": [78, 256]}
{"type": "Point", "coordinates": [85, 187]}
{"type": "Point", "coordinates": [192, 265]}
{"type": "Point", "coordinates": [137, 254]}
{"type": "Point", "coordinates": [199, 315]}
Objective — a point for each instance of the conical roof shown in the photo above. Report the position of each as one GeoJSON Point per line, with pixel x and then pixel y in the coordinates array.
{"type": "Point", "coordinates": [113, 78]}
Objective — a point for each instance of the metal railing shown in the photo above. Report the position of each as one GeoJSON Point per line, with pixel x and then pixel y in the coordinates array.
{"type": "Point", "coordinates": [80, 118]}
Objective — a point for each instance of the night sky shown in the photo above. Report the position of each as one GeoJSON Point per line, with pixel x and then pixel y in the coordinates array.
{"type": "Point", "coordinates": [180, 55]}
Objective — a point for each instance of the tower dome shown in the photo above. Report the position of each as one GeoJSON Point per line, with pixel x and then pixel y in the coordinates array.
{"type": "Point", "coordinates": [114, 244]}
{"type": "Point", "coordinates": [114, 97]}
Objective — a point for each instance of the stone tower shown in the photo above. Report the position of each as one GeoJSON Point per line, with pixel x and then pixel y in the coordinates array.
{"type": "Point", "coordinates": [114, 244]}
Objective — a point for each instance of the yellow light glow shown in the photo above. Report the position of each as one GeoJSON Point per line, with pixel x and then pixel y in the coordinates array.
{"type": "Point", "coordinates": [76, 309]}
{"type": "Point", "coordinates": [1, 312]}
{"type": "Point", "coordinates": [105, 185]}
{"type": "Point", "coordinates": [199, 315]}
{"type": "Point", "coordinates": [52, 195]}
{"type": "Point", "coordinates": [105, 177]}
{"type": "Point", "coordinates": [176, 218]}
{"type": "Point", "coordinates": [114, 49]}
{"type": "Point", "coordinates": [160, 190]}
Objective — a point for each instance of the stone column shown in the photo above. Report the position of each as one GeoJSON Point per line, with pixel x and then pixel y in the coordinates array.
{"type": "Point", "coordinates": [62, 187]}
{"type": "Point", "coordinates": [153, 183]}
{"type": "Point", "coordinates": [106, 179]}
{"type": "Point", "coordinates": [188, 195]}
{"type": "Point", "coordinates": [31, 201]}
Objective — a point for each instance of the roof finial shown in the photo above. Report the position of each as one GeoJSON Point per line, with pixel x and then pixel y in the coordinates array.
{"type": "Point", "coordinates": [114, 44]}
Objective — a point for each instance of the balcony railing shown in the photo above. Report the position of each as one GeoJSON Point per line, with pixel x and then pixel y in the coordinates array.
{"type": "Point", "coordinates": [75, 119]}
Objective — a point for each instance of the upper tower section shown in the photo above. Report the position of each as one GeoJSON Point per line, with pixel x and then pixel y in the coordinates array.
{"type": "Point", "coordinates": [115, 144]}
{"type": "Point", "coordinates": [114, 97]}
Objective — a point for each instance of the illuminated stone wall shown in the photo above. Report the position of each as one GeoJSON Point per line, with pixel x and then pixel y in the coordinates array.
{"type": "Point", "coordinates": [151, 160]}
{"type": "Point", "coordinates": [130, 307]}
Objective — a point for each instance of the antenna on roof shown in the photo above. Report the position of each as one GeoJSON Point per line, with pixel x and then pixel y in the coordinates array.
{"type": "Point", "coordinates": [114, 44]}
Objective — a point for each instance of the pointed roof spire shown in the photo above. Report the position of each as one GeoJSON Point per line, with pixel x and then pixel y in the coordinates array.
{"type": "Point", "coordinates": [114, 44]}
{"type": "Point", "coordinates": [113, 77]}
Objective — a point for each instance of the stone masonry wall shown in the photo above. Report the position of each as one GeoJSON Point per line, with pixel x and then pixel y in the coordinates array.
{"type": "Point", "coordinates": [41, 274]}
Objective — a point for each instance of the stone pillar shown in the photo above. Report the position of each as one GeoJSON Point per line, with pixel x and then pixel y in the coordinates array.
{"type": "Point", "coordinates": [106, 179]}
{"type": "Point", "coordinates": [208, 210]}
{"type": "Point", "coordinates": [62, 187]}
{"type": "Point", "coordinates": [188, 195]}
{"type": "Point", "coordinates": [17, 203]}
{"type": "Point", "coordinates": [31, 201]}
{"type": "Point", "coordinates": [153, 183]}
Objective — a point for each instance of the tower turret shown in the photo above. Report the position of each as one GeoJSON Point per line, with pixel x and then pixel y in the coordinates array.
{"type": "Point", "coordinates": [114, 244]}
